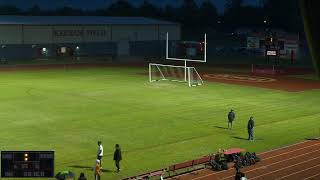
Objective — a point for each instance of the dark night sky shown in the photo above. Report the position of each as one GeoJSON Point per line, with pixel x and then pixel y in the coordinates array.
{"type": "Point", "coordinates": [93, 4]}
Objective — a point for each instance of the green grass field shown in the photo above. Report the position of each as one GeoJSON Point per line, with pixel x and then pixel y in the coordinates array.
{"type": "Point", "coordinates": [157, 124]}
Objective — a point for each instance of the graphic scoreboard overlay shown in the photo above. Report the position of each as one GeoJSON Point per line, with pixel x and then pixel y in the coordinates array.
{"type": "Point", "coordinates": [27, 164]}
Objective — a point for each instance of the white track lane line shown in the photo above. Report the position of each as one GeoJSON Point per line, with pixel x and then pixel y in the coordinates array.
{"type": "Point", "coordinates": [288, 152]}
{"type": "Point", "coordinates": [263, 167]}
{"type": "Point", "coordinates": [262, 159]}
{"type": "Point", "coordinates": [284, 147]}
{"type": "Point", "coordinates": [312, 176]}
{"type": "Point", "coordinates": [284, 168]}
{"type": "Point", "coordinates": [297, 172]}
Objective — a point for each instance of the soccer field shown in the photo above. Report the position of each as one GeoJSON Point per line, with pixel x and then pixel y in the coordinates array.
{"type": "Point", "coordinates": [156, 124]}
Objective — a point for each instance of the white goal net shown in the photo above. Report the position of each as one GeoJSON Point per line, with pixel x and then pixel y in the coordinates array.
{"type": "Point", "coordinates": [160, 72]}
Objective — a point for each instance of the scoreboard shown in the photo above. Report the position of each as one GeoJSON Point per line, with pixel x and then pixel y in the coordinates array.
{"type": "Point", "coordinates": [27, 164]}
{"type": "Point", "coordinates": [272, 53]}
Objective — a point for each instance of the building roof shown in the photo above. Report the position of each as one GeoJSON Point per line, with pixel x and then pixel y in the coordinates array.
{"type": "Point", "coordinates": [80, 20]}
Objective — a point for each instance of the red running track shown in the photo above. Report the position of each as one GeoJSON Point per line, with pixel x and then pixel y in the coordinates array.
{"type": "Point", "coordinates": [295, 162]}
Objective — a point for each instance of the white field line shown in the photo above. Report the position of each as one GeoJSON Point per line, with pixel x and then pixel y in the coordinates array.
{"type": "Point", "coordinates": [312, 176]}
{"type": "Point", "coordinates": [262, 159]}
{"type": "Point", "coordinates": [297, 172]}
{"type": "Point", "coordinates": [285, 168]}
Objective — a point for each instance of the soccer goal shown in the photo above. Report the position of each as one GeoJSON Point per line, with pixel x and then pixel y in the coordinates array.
{"type": "Point", "coordinates": [162, 72]}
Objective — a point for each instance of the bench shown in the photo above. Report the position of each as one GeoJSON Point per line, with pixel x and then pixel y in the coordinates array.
{"type": "Point", "coordinates": [157, 173]}
{"type": "Point", "coordinates": [190, 164]}
{"type": "Point", "coordinates": [173, 168]}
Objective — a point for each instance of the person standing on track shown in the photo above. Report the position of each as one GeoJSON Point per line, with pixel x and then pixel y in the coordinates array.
{"type": "Point", "coordinates": [231, 117]}
{"type": "Point", "coordinates": [237, 164]}
{"type": "Point", "coordinates": [100, 153]}
{"type": "Point", "coordinates": [250, 129]}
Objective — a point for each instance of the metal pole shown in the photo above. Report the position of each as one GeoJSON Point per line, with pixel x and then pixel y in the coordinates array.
{"type": "Point", "coordinates": [167, 45]}
{"type": "Point", "coordinates": [189, 78]}
{"type": "Point", "coordinates": [150, 72]}
{"type": "Point", "coordinates": [185, 70]}
{"type": "Point", "coordinates": [205, 47]}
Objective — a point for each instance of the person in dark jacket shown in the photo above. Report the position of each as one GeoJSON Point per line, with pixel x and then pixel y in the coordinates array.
{"type": "Point", "coordinates": [117, 157]}
{"type": "Point", "coordinates": [82, 177]}
{"type": "Point", "coordinates": [237, 164]}
{"type": "Point", "coordinates": [231, 116]}
{"type": "Point", "coordinates": [250, 129]}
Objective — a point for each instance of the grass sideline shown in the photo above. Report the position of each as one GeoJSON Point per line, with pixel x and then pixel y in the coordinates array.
{"type": "Point", "coordinates": [157, 124]}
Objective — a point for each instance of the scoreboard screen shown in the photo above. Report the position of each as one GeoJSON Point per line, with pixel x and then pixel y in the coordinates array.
{"type": "Point", "coordinates": [27, 164]}
{"type": "Point", "coordinates": [272, 53]}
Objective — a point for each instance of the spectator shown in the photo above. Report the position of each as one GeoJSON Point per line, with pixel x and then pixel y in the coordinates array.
{"type": "Point", "coordinates": [82, 177]}
{"type": "Point", "coordinates": [231, 116]}
{"type": "Point", "coordinates": [100, 153]}
{"type": "Point", "coordinates": [117, 157]}
{"type": "Point", "coordinates": [97, 170]}
{"type": "Point", "coordinates": [243, 176]}
{"type": "Point", "coordinates": [237, 165]}
{"type": "Point", "coordinates": [250, 129]}
{"type": "Point", "coordinates": [240, 176]}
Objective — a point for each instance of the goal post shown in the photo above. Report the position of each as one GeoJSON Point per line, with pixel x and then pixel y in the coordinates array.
{"type": "Point", "coordinates": [194, 79]}
{"type": "Point", "coordinates": [183, 51]}
{"type": "Point", "coordinates": [162, 72]}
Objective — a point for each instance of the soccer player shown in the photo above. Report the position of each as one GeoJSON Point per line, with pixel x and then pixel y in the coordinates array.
{"type": "Point", "coordinates": [231, 116]}
{"type": "Point", "coordinates": [100, 153]}
{"type": "Point", "coordinates": [117, 157]}
{"type": "Point", "coordinates": [250, 129]}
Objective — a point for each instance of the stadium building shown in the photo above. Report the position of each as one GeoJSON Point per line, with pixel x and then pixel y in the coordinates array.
{"type": "Point", "coordinates": [77, 36]}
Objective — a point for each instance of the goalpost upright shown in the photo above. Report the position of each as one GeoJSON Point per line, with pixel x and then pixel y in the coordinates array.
{"type": "Point", "coordinates": [185, 59]}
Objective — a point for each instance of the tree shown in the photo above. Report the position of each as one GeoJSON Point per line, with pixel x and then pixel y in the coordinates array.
{"type": "Point", "coordinates": [208, 14]}
{"type": "Point", "coordinates": [9, 10]}
{"type": "Point", "coordinates": [283, 14]}
{"type": "Point", "coordinates": [233, 13]}
{"type": "Point", "coordinates": [34, 10]}
{"type": "Point", "coordinates": [189, 13]}
{"type": "Point", "coordinates": [170, 13]}
{"type": "Point", "coordinates": [311, 15]}
{"type": "Point", "coordinates": [121, 8]}
{"type": "Point", "coordinates": [68, 11]}
{"type": "Point", "coordinates": [233, 4]}
{"type": "Point", "coordinates": [147, 9]}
